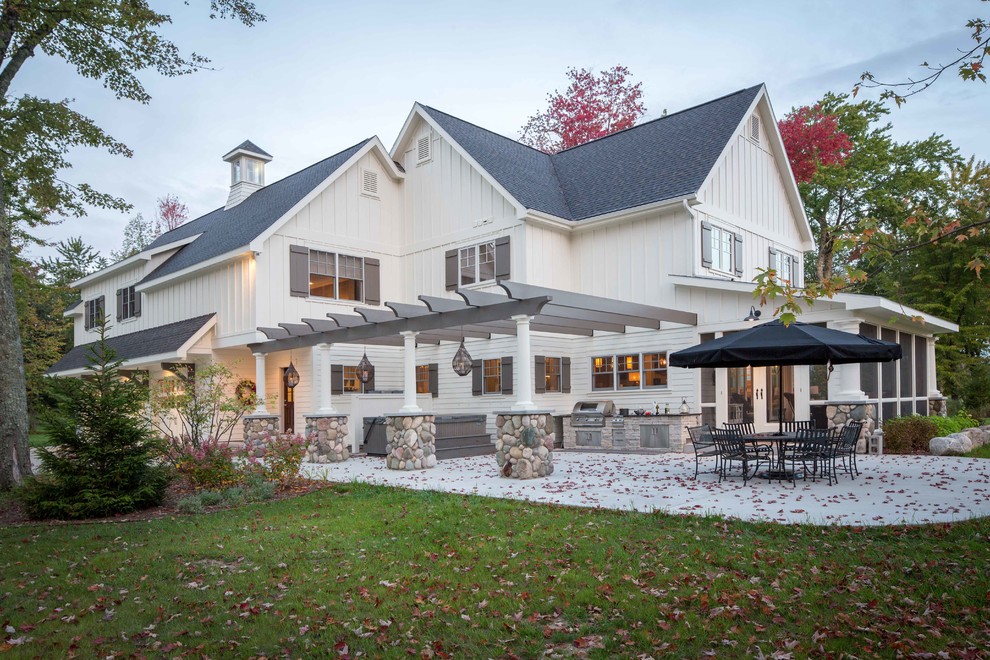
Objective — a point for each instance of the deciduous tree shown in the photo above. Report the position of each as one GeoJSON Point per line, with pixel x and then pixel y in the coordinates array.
{"type": "Point", "coordinates": [593, 106]}
{"type": "Point", "coordinates": [138, 234]}
{"type": "Point", "coordinates": [108, 40]}
{"type": "Point", "coordinates": [813, 140]}
{"type": "Point", "coordinates": [171, 214]}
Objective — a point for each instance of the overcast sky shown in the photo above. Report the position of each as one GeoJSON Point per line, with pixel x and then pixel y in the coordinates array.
{"type": "Point", "coordinates": [319, 76]}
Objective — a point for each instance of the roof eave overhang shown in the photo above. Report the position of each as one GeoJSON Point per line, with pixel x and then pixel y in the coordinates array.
{"type": "Point", "coordinates": [190, 271]}
{"type": "Point", "coordinates": [615, 217]}
{"type": "Point", "coordinates": [144, 255]}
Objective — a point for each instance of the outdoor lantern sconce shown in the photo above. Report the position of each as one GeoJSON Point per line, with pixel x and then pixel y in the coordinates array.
{"type": "Point", "coordinates": [291, 376]}
{"type": "Point", "coordinates": [754, 314]}
{"type": "Point", "coordinates": [462, 361]}
{"type": "Point", "coordinates": [365, 369]}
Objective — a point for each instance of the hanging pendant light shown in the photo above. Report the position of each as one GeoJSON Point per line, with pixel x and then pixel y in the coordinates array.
{"type": "Point", "coordinates": [462, 361]}
{"type": "Point", "coordinates": [365, 369]}
{"type": "Point", "coordinates": [291, 375]}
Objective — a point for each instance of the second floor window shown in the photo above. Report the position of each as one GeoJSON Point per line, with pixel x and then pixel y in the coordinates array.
{"type": "Point", "coordinates": [477, 263]}
{"type": "Point", "coordinates": [786, 266]}
{"type": "Point", "coordinates": [336, 276]}
{"type": "Point", "coordinates": [95, 309]}
{"type": "Point", "coordinates": [127, 304]}
{"type": "Point", "coordinates": [722, 248]}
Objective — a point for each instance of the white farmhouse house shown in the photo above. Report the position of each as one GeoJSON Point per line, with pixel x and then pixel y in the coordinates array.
{"type": "Point", "coordinates": [570, 276]}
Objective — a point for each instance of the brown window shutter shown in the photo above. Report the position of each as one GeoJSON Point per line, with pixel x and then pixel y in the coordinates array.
{"type": "Point", "coordinates": [336, 379]}
{"type": "Point", "coordinates": [540, 374]}
{"type": "Point", "coordinates": [120, 304]}
{"type": "Point", "coordinates": [565, 375]}
{"type": "Point", "coordinates": [507, 375]}
{"type": "Point", "coordinates": [502, 258]}
{"type": "Point", "coordinates": [450, 265]}
{"type": "Point", "coordinates": [137, 303]}
{"type": "Point", "coordinates": [372, 282]}
{"type": "Point", "coordinates": [298, 270]}
{"type": "Point", "coordinates": [86, 316]}
{"type": "Point", "coordinates": [737, 259]}
{"type": "Point", "coordinates": [706, 245]}
{"type": "Point", "coordinates": [476, 375]}
{"type": "Point", "coordinates": [434, 379]}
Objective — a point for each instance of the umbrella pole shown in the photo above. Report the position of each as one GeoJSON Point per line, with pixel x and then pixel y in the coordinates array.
{"type": "Point", "coordinates": [780, 400]}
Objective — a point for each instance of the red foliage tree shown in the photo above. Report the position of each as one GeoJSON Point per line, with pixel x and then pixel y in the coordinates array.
{"type": "Point", "coordinates": [171, 213]}
{"type": "Point", "coordinates": [592, 107]}
{"type": "Point", "coordinates": [812, 140]}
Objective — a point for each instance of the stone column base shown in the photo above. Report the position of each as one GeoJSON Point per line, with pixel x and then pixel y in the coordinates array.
{"type": "Point", "coordinates": [326, 438]}
{"type": "Point", "coordinates": [840, 412]}
{"type": "Point", "coordinates": [257, 429]}
{"type": "Point", "coordinates": [937, 407]}
{"type": "Point", "coordinates": [524, 444]}
{"type": "Point", "coordinates": [410, 442]}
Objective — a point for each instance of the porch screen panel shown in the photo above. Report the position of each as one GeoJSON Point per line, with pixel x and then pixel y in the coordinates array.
{"type": "Point", "coordinates": [906, 366]}
{"type": "Point", "coordinates": [922, 407]}
{"type": "Point", "coordinates": [869, 373]}
{"type": "Point", "coordinates": [888, 370]}
{"type": "Point", "coordinates": [888, 410]}
{"type": "Point", "coordinates": [920, 367]}
{"type": "Point", "coordinates": [907, 407]}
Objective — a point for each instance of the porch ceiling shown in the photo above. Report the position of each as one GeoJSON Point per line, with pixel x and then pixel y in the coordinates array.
{"type": "Point", "coordinates": [478, 314]}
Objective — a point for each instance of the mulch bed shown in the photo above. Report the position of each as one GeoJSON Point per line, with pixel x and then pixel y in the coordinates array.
{"type": "Point", "coordinates": [12, 513]}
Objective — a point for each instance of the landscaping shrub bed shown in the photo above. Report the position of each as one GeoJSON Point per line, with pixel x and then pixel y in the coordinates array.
{"type": "Point", "coordinates": [911, 435]}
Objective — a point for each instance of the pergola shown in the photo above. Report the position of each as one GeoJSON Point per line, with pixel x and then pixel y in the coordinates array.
{"type": "Point", "coordinates": [479, 314]}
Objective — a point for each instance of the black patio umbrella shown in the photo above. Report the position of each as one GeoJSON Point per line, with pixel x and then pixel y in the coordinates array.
{"type": "Point", "coordinates": [775, 344]}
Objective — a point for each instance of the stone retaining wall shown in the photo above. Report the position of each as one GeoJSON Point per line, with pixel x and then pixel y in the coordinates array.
{"type": "Point", "coordinates": [326, 439]}
{"type": "Point", "coordinates": [410, 442]}
{"type": "Point", "coordinates": [524, 444]}
{"type": "Point", "coordinates": [257, 428]}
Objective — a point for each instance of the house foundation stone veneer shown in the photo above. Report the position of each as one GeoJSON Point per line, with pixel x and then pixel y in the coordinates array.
{"type": "Point", "coordinates": [326, 439]}
{"type": "Point", "coordinates": [257, 430]}
{"type": "Point", "coordinates": [524, 444]}
{"type": "Point", "coordinates": [937, 407]}
{"type": "Point", "coordinates": [410, 442]}
{"type": "Point", "coordinates": [838, 413]}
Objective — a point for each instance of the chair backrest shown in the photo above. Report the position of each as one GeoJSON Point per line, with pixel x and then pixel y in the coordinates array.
{"type": "Point", "coordinates": [701, 436]}
{"type": "Point", "coordinates": [728, 440]}
{"type": "Point", "coordinates": [850, 433]}
{"type": "Point", "coordinates": [818, 440]}
{"type": "Point", "coordinates": [797, 426]}
{"type": "Point", "coordinates": [745, 428]}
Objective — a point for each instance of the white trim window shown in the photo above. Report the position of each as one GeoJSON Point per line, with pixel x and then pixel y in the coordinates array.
{"type": "Point", "coordinates": [786, 266]}
{"type": "Point", "coordinates": [476, 263]}
{"type": "Point", "coordinates": [723, 247]}
{"type": "Point", "coordinates": [95, 311]}
{"type": "Point", "coordinates": [422, 379]}
{"type": "Point", "coordinates": [491, 376]}
{"type": "Point", "coordinates": [552, 375]}
{"type": "Point", "coordinates": [635, 371]}
{"type": "Point", "coordinates": [336, 276]}
{"type": "Point", "coordinates": [128, 303]}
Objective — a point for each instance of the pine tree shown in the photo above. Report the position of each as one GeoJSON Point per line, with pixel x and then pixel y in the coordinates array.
{"type": "Point", "coordinates": [101, 460]}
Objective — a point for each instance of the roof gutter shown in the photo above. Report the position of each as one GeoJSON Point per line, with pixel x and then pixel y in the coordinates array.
{"type": "Point", "coordinates": [615, 217]}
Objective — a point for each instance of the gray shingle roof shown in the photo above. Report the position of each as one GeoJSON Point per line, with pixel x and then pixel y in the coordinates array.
{"type": "Point", "coordinates": [247, 145]}
{"type": "Point", "coordinates": [661, 159]}
{"type": "Point", "coordinates": [224, 230]}
{"type": "Point", "coordinates": [153, 341]}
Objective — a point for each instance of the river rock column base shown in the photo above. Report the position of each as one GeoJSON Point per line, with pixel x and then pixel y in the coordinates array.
{"type": "Point", "coordinates": [257, 430]}
{"type": "Point", "coordinates": [326, 439]}
{"type": "Point", "coordinates": [838, 413]}
{"type": "Point", "coordinates": [410, 442]}
{"type": "Point", "coordinates": [524, 444]}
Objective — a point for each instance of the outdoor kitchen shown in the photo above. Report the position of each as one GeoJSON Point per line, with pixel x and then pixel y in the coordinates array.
{"type": "Point", "coordinates": [598, 425]}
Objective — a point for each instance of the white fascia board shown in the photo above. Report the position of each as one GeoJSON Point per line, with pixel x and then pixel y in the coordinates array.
{"type": "Point", "coordinates": [418, 110]}
{"type": "Point", "coordinates": [716, 283]}
{"type": "Point", "coordinates": [192, 270]}
{"type": "Point", "coordinates": [258, 244]}
{"type": "Point", "coordinates": [144, 255]}
{"type": "Point", "coordinates": [793, 194]}
{"type": "Point", "coordinates": [615, 217]}
{"type": "Point", "coordinates": [196, 336]}
{"type": "Point", "coordinates": [253, 154]}
{"type": "Point", "coordinates": [881, 306]}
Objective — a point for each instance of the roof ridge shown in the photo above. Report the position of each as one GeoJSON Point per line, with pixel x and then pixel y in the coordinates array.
{"type": "Point", "coordinates": [667, 116]}
{"type": "Point", "coordinates": [273, 185]}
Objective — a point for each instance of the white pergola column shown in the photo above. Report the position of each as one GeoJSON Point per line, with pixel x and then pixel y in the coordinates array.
{"type": "Point", "coordinates": [409, 373]}
{"type": "Point", "coordinates": [259, 384]}
{"type": "Point", "coordinates": [844, 385]}
{"type": "Point", "coordinates": [523, 365]}
{"type": "Point", "coordinates": [323, 369]}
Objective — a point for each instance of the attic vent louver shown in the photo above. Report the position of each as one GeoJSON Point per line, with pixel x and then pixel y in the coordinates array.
{"type": "Point", "coordinates": [423, 145]}
{"type": "Point", "coordinates": [754, 128]}
{"type": "Point", "coordinates": [369, 183]}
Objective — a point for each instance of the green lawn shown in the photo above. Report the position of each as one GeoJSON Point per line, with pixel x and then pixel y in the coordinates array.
{"type": "Point", "coordinates": [392, 572]}
{"type": "Point", "coordinates": [980, 452]}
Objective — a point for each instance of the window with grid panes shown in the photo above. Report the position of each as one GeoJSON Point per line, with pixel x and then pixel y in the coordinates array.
{"type": "Point", "coordinates": [423, 379]}
{"type": "Point", "coordinates": [336, 276]}
{"type": "Point", "coordinates": [477, 263]}
{"type": "Point", "coordinates": [492, 376]}
{"type": "Point", "coordinates": [94, 312]}
{"type": "Point", "coordinates": [654, 370]}
{"type": "Point", "coordinates": [628, 371]}
{"type": "Point", "coordinates": [351, 381]}
{"type": "Point", "coordinates": [128, 302]}
{"type": "Point", "coordinates": [603, 373]}
{"type": "Point", "coordinates": [723, 242]}
{"type": "Point", "coordinates": [552, 366]}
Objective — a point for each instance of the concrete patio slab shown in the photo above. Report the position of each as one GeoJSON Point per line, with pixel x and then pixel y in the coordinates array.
{"type": "Point", "coordinates": [890, 490]}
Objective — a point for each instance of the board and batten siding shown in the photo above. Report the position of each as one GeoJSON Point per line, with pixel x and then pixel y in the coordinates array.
{"type": "Point", "coordinates": [453, 205]}
{"type": "Point", "coordinates": [226, 289]}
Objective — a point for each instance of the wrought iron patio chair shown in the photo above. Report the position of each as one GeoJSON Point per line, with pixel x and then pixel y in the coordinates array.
{"type": "Point", "coordinates": [745, 428]}
{"type": "Point", "coordinates": [791, 427]}
{"type": "Point", "coordinates": [704, 446]}
{"type": "Point", "coordinates": [814, 448]}
{"type": "Point", "coordinates": [849, 439]}
{"type": "Point", "coordinates": [732, 448]}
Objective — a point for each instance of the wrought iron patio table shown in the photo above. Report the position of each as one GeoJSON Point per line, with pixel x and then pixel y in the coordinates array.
{"type": "Point", "coordinates": [778, 440]}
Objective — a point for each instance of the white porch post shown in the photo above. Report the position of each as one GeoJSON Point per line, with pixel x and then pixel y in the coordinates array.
{"type": "Point", "coordinates": [848, 386]}
{"type": "Point", "coordinates": [933, 392]}
{"type": "Point", "coordinates": [409, 373]}
{"type": "Point", "coordinates": [523, 365]}
{"type": "Point", "coordinates": [259, 384]}
{"type": "Point", "coordinates": [323, 364]}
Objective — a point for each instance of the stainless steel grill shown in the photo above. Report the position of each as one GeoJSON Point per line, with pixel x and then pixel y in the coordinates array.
{"type": "Point", "coordinates": [591, 414]}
